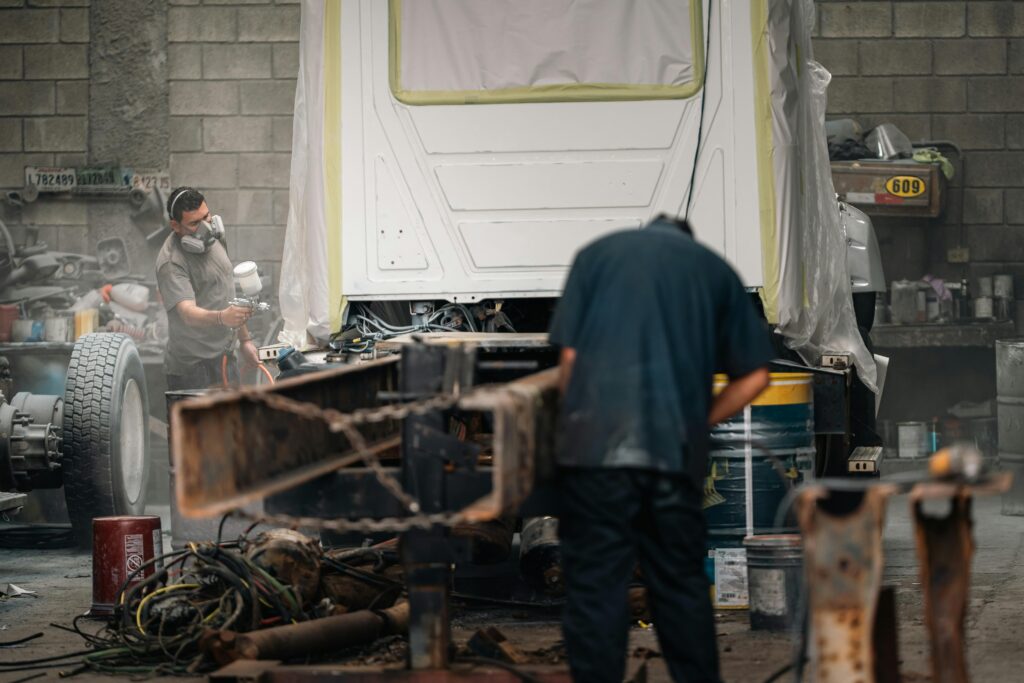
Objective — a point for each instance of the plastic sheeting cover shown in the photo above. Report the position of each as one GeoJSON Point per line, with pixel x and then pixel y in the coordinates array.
{"type": "Point", "coordinates": [303, 292]}
{"type": "Point", "coordinates": [488, 45]}
{"type": "Point", "coordinates": [815, 305]}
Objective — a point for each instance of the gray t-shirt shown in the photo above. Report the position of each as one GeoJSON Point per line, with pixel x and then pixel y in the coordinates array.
{"type": "Point", "coordinates": [206, 279]}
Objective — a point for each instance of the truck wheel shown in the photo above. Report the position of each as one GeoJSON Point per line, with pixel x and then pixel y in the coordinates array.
{"type": "Point", "coordinates": [106, 435]}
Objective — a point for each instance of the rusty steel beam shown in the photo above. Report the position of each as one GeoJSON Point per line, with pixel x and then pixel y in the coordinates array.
{"type": "Point", "coordinates": [843, 563]}
{"type": "Point", "coordinates": [231, 449]}
{"type": "Point", "coordinates": [524, 413]}
{"type": "Point", "coordinates": [945, 547]}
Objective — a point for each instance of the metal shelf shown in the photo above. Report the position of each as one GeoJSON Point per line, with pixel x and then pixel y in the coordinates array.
{"type": "Point", "coordinates": [941, 335]}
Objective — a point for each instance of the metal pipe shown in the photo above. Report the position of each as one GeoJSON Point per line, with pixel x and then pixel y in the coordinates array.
{"type": "Point", "coordinates": [316, 637]}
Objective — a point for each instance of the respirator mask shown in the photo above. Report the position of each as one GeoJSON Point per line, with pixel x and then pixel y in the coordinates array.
{"type": "Point", "coordinates": [203, 238]}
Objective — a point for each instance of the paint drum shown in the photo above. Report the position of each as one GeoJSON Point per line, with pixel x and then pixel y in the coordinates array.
{"type": "Point", "coordinates": [780, 430]}
{"type": "Point", "coordinates": [120, 546]}
{"type": "Point", "coordinates": [1010, 419]}
{"type": "Point", "coordinates": [913, 439]}
{"type": "Point", "coordinates": [774, 581]}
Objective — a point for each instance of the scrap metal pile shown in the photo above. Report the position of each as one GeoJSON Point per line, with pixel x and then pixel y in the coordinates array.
{"type": "Point", "coordinates": [191, 610]}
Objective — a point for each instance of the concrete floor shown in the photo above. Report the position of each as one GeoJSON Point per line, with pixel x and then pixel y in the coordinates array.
{"type": "Point", "coordinates": [995, 620]}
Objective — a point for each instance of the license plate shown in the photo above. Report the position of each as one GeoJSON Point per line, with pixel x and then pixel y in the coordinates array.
{"type": "Point", "coordinates": [152, 180]}
{"type": "Point", "coordinates": [51, 179]}
{"type": "Point", "coordinates": [104, 178]}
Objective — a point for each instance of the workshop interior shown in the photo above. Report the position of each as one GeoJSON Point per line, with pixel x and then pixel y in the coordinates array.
{"type": "Point", "coordinates": [323, 323]}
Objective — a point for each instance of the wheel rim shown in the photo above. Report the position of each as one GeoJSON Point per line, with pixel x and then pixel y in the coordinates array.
{"type": "Point", "coordinates": [132, 442]}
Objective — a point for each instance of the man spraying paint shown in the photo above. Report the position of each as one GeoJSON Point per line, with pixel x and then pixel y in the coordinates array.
{"type": "Point", "coordinates": [196, 283]}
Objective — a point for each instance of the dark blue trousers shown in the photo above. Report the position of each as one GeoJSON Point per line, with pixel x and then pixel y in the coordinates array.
{"type": "Point", "coordinates": [611, 519]}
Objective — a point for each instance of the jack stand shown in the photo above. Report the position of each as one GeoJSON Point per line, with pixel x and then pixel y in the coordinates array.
{"type": "Point", "coordinates": [843, 562]}
{"type": "Point", "coordinates": [945, 547]}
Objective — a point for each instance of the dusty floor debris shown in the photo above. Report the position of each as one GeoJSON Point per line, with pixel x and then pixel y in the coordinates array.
{"type": "Point", "coordinates": [994, 624]}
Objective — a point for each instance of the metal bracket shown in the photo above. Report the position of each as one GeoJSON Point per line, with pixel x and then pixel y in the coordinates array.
{"type": "Point", "coordinates": [865, 460]}
{"type": "Point", "coordinates": [843, 560]}
{"type": "Point", "coordinates": [945, 547]}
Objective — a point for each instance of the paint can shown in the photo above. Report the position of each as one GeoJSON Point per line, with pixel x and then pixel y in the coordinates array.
{"type": "Point", "coordinates": [913, 439]}
{"type": "Point", "coordinates": [86, 322]}
{"type": "Point", "coordinates": [774, 581]}
{"type": "Point", "coordinates": [121, 548]}
{"type": "Point", "coordinates": [983, 307]}
{"type": "Point", "coordinates": [903, 298]}
{"type": "Point", "coordinates": [27, 331]}
{"type": "Point", "coordinates": [1002, 286]}
{"type": "Point", "coordinates": [58, 329]}
{"type": "Point", "coordinates": [985, 286]}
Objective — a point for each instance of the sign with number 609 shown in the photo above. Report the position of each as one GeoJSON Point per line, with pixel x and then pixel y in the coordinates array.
{"type": "Point", "coordinates": [905, 186]}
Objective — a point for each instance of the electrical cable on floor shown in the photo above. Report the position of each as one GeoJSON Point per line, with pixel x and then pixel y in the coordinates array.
{"type": "Point", "coordinates": [159, 619]}
{"type": "Point", "coordinates": [11, 643]}
{"type": "Point", "coordinates": [30, 678]}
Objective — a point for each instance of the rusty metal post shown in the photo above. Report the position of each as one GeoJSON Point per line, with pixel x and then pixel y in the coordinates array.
{"type": "Point", "coordinates": [428, 558]}
{"type": "Point", "coordinates": [843, 562]}
{"type": "Point", "coordinates": [945, 548]}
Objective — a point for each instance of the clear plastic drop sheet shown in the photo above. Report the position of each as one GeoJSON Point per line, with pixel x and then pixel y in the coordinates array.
{"type": "Point", "coordinates": [815, 300]}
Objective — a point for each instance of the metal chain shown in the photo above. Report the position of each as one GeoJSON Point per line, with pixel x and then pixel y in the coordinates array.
{"type": "Point", "coordinates": [363, 525]}
{"type": "Point", "coordinates": [347, 424]}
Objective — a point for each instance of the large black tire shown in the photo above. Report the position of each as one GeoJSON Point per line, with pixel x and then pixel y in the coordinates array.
{"type": "Point", "coordinates": [106, 432]}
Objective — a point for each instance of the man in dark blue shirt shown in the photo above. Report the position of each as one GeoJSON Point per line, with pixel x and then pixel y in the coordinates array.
{"type": "Point", "coordinates": [646, 319]}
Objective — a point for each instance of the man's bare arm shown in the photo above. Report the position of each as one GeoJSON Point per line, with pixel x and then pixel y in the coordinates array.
{"type": "Point", "coordinates": [566, 359]}
{"type": "Point", "coordinates": [194, 316]}
{"type": "Point", "coordinates": [737, 394]}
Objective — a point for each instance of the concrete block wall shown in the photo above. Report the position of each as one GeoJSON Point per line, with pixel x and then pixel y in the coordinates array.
{"type": "Point", "coordinates": [232, 70]}
{"type": "Point", "coordinates": [44, 106]}
{"type": "Point", "coordinates": [229, 70]}
{"type": "Point", "coordinates": [940, 70]}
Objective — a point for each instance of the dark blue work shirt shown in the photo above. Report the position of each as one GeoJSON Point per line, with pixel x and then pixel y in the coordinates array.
{"type": "Point", "coordinates": [652, 316]}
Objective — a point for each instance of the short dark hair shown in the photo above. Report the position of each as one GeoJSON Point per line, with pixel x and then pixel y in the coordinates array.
{"type": "Point", "coordinates": [680, 223]}
{"type": "Point", "coordinates": [183, 199]}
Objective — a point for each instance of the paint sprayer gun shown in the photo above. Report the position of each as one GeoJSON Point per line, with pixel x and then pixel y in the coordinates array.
{"type": "Point", "coordinates": [247, 281]}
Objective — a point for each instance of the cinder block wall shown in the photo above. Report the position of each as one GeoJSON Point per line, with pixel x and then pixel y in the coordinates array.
{"type": "Point", "coordinates": [229, 69]}
{"type": "Point", "coordinates": [232, 69]}
{"type": "Point", "coordinates": [44, 106]}
{"type": "Point", "coordinates": [940, 70]}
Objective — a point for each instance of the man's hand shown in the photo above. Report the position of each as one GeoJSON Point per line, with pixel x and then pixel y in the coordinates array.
{"type": "Point", "coordinates": [235, 316]}
{"type": "Point", "coordinates": [737, 394]}
{"type": "Point", "coordinates": [250, 355]}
